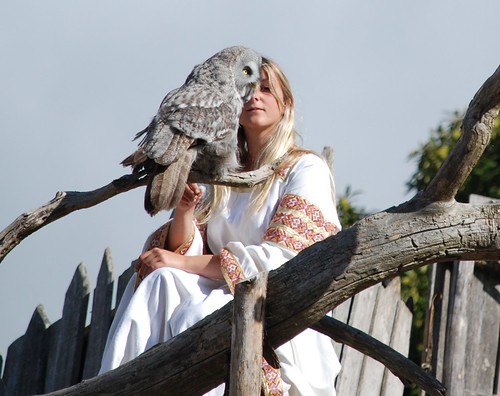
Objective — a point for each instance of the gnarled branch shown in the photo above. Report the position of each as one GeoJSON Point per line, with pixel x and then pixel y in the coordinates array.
{"type": "Point", "coordinates": [303, 290]}
{"type": "Point", "coordinates": [400, 366]}
{"type": "Point", "coordinates": [476, 132]}
{"type": "Point", "coordinates": [67, 202]}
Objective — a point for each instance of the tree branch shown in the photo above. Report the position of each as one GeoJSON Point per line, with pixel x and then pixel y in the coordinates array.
{"type": "Point", "coordinates": [67, 202]}
{"type": "Point", "coordinates": [303, 290]}
{"type": "Point", "coordinates": [476, 132]}
{"type": "Point", "coordinates": [400, 366]}
{"type": "Point", "coordinates": [238, 179]}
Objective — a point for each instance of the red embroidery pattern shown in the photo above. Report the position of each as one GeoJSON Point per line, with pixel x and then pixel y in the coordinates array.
{"type": "Point", "coordinates": [158, 237]}
{"type": "Point", "coordinates": [231, 269]}
{"type": "Point", "coordinates": [273, 384]}
{"type": "Point", "coordinates": [298, 224]}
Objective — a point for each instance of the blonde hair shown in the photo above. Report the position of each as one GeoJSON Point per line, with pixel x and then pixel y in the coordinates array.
{"type": "Point", "coordinates": [281, 143]}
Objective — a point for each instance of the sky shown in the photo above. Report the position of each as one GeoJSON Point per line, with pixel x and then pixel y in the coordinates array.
{"type": "Point", "coordinates": [78, 79]}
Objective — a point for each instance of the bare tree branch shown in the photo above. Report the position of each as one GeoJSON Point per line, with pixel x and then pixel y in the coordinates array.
{"type": "Point", "coordinates": [476, 133]}
{"type": "Point", "coordinates": [240, 179]}
{"type": "Point", "coordinates": [400, 366]}
{"type": "Point", "coordinates": [67, 202]}
{"type": "Point", "coordinates": [303, 290]}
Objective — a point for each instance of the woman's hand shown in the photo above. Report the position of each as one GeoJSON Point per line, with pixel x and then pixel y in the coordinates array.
{"type": "Point", "coordinates": [182, 222]}
{"type": "Point", "coordinates": [206, 265]}
{"type": "Point", "coordinates": [158, 258]}
{"type": "Point", "coordinates": [191, 197]}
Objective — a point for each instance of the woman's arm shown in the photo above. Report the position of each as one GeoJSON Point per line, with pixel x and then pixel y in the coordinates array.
{"type": "Point", "coordinates": [205, 265]}
{"type": "Point", "coordinates": [181, 227]}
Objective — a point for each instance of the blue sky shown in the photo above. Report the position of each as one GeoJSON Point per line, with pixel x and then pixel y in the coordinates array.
{"type": "Point", "coordinates": [80, 78]}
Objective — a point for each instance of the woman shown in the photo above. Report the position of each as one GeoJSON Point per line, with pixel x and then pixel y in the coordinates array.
{"type": "Point", "coordinates": [185, 274]}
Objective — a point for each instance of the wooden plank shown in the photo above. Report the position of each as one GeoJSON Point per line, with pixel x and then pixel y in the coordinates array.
{"type": "Point", "coordinates": [101, 317]}
{"type": "Point", "coordinates": [456, 338]}
{"type": "Point", "coordinates": [13, 367]}
{"type": "Point", "coordinates": [427, 340]}
{"type": "Point", "coordinates": [372, 372]}
{"type": "Point", "coordinates": [483, 315]}
{"type": "Point", "coordinates": [66, 349]}
{"type": "Point", "coordinates": [247, 334]}
{"type": "Point", "coordinates": [352, 360]}
{"type": "Point", "coordinates": [34, 355]}
{"type": "Point", "coordinates": [26, 359]}
{"type": "Point", "coordinates": [483, 344]}
{"type": "Point", "coordinates": [400, 341]}
{"type": "Point", "coordinates": [52, 337]}
{"type": "Point", "coordinates": [437, 318]}
{"type": "Point", "coordinates": [341, 312]}
{"type": "Point", "coordinates": [2, 384]}
{"type": "Point", "coordinates": [390, 358]}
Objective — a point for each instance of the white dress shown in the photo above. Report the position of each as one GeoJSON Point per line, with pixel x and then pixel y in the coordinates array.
{"type": "Point", "coordinates": [299, 211]}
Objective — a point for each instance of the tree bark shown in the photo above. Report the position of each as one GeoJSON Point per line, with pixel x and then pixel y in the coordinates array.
{"type": "Point", "coordinates": [303, 290]}
{"type": "Point", "coordinates": [66, 202]}
{"type": "Point", "coordinates": [476, 132]}
{"type": "Point", "coordinates": [247, 336]}
{"type": "Point", "coordinates": [400, 366]}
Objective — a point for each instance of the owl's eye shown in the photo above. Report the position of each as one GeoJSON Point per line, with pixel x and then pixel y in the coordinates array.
{"type": "Point", "coordinates": [247, 71]}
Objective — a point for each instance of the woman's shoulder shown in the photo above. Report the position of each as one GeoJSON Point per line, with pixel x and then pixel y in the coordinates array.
{"type": "Point", "coordinates": [301, 161]}
{"type": "Point", "coordinates": [312, 159]}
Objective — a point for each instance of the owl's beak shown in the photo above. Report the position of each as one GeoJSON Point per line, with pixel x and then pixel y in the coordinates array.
{"type": "Point", "coordinates": [250, 90]}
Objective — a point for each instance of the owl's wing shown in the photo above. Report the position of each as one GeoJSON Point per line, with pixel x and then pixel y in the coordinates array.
{"type": "Point", "coordinates": [201, 112]}
{"type": "Point", "coordinates": [195, 112]}
{"type": "Point", "coordinates": [206, 123]}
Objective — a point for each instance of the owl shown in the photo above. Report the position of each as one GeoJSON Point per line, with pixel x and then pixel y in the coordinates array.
{"type": "Point", "coordinates": [196, 126]}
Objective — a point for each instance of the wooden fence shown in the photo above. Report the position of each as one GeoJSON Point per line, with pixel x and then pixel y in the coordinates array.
{"type": "Point", "coordinates": [461, 344]}
{"type": "Point", "coordinates": [462, 341]}
{"type": "Point", "coordinates": [54, 356]}
{"type": "Point", "coordinates": [49, 357]}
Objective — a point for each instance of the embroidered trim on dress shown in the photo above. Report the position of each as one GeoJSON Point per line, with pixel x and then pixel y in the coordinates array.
{"type": "Point", "coordinates": [159, 236]}
{"type": "Point", "coordinates": [231, 269]}
{"type": "Point", "coordinates": [271, 382]}
{"type": "Point", "coordinates": [298, 224]}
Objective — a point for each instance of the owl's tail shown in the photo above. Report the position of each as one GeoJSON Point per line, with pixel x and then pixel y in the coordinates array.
{"type": "Point", "coordinates": [166, 184]}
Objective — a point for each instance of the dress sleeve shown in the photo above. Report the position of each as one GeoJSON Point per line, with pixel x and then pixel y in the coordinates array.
{"type": "Point", "coordinates": [159, 237]}
{"type": "Point", "coordinates": [305, 214]}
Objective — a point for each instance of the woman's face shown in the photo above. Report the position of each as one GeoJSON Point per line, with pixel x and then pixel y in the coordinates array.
{"type": "Point", "coordinates": [262, 111]}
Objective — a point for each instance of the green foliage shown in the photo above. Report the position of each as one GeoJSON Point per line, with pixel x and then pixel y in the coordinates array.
{"type": "Point", "coordinates": [347, 211]}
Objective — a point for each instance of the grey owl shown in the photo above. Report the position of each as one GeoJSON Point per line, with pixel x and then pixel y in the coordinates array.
{"type": "Point", "coordinates": [196, 126]}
